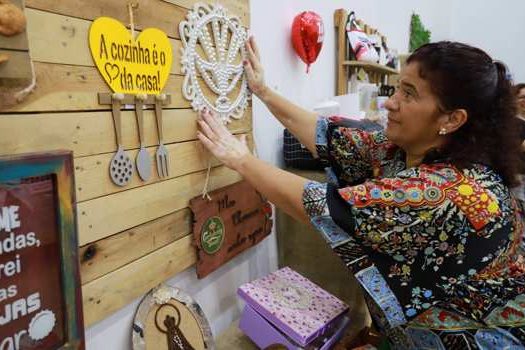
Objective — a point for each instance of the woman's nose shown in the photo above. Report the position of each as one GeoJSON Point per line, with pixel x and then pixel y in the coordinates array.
{"type": "Point", "coordinates": [391, 104]}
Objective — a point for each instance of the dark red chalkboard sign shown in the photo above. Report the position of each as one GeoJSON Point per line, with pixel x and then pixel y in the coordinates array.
{"type": "Point", "coordinates": [40, 302]}
{"type": "Point", "coordinates": [236, 218]}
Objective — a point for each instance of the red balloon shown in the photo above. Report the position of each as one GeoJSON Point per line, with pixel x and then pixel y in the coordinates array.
{"type": "Point", "coordinates": [307, 36]}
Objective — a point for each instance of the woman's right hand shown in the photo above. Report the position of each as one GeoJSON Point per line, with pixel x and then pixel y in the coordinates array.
{"type": "Point", "coordinates": [254, 69]}
{"type": "Point", "coordinates": [227, 148]}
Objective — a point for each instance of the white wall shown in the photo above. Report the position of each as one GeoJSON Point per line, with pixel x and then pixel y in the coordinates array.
{"type": "Point", "coordinates": [498, 27]}
{"type": "Point", "coordinates": [464, 20]}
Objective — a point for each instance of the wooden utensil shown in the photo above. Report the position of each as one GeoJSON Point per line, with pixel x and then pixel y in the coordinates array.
{"type": "Point", "coordinates": [120, 167]}
{"type": "Point", "coordinates": [162, 156]}
{"type": "Point", "coordinates": [143, 160]}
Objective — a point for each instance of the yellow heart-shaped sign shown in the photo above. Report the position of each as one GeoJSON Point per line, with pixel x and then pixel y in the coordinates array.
{"type": "Point", "coordinates": [127, 65]}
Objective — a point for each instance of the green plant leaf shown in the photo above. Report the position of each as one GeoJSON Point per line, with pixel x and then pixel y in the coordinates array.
{"type": "Point", "coordinates": [419, 35]}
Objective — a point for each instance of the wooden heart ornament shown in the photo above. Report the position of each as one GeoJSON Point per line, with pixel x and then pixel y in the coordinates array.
{"type": "Point", "coordinates": [129, 65]}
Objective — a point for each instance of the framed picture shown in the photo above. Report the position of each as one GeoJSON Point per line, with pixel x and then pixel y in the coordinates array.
{"type": "Point", "coordinates": [40, 293]}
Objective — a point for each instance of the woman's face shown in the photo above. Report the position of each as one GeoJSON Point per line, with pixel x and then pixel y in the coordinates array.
{"type": "Point", "coordinates": [521, 101]}
{"type": "Point", "coordinates": [414, 118]}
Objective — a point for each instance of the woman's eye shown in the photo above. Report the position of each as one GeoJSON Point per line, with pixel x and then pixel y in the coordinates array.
{"type": "Point", "coordinates": [404, 92]}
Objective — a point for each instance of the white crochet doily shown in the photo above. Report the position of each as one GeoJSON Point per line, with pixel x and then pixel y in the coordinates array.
{"type": "Point", "coordinates": [213, 46]}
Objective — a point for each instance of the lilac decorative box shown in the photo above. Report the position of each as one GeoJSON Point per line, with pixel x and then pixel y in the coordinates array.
{"type": "Point", "coordinates": [287, 308]}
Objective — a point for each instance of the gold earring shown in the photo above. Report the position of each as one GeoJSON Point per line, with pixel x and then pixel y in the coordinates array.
{"type": "Point", "coordinates": [442, 131]}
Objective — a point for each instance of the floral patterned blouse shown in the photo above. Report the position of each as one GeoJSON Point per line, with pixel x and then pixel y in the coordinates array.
{"type": "Point", "coordinates": [438, 250]}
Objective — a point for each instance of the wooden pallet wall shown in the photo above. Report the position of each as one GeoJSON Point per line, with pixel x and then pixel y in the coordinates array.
{"type": "Point", "coordinates": [131, 238]}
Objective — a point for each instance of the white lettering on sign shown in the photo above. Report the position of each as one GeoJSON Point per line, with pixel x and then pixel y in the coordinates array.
{"type": "Point", "coordinates": [9, 292]}
{"type": "Point", "coordinates": [12, 343]}
{"type": "Point", "coordinates": [9, 218]}
{"type": "Point", "coordinates": [16, 306]}
{"type": "Point", "coordinates": [17, 242]}
{"type": "Point", "coordinates": [19, 308]}
{"type": "Point", "coordinates": [10, 268]}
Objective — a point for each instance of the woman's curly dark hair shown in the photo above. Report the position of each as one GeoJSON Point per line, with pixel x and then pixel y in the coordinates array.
{"type": "Point", "coordinates": [465, 77]}
{"type": "Point", "coordinates": [518, 88]}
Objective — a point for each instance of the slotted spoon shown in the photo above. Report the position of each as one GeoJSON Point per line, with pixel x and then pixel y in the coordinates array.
{"type": "Point", "coordinates": [120, 167]}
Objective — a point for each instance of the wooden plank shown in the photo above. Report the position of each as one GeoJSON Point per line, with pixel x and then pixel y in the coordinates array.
{"type": "Point", "coordinates": [64, 85]}
{"type": "Point", "coordinates": [151, 13]}
{"type": "Point", "coordinates": [106, 98]}
{"type": "Point", "coordinates": [67, 88]}
{"type": "Point", "coordinates": [340, 17]}
{"type": "Point", "coordinates": [15, 42]}
{"type": "Point", "coordinates": [109, 254]}
{"type": "Point", "coordinates": [71, 88]}
{"type": "Point", "coordinates": [92, 179]}
{"type": "Point", "coordinates": [373, 67]}
{"type": "Point", "coordinates": [239, 8]}
{"type": "Point", "coordinates": [102, 217]}
{"type": "Point", "coordinates": [90, 133]}
{"type": "Point", "coordinates": [109, 293]}
{"type": "Point", "coordinates": [18, 66]}
{"type": "Point", "coordinates": [58, 39]}
{"type": "Point", "coordinates": [64, 40]}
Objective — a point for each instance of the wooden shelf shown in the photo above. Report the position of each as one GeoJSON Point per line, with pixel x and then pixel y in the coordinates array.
{"type": "Point", "coordinates": [378, 68]}
{"type": "Point", "coordinates": [345, 68]}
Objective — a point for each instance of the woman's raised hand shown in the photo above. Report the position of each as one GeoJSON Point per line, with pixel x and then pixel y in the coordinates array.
{"type": "Point", "coordinates": [254, 69]}
{"type": "Point", "coordinates": [220, 142]}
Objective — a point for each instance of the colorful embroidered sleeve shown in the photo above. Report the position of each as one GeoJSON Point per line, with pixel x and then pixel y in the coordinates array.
{"type": "Point", "coordinates": [354, 154]}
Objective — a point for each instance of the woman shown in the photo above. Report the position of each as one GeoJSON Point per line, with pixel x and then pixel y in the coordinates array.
{"type": "Point", "coordinates": [421, 214]}
{"type": "Point", "coordinates": [520, 96]}
{"type": "Point", "coordinates": [520, 99]}
{"type": "Point", "coordinates": [519, 89]}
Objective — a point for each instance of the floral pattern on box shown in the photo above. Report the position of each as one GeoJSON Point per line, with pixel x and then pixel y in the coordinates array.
{"type": "Point", "coordinates": [294, 304]}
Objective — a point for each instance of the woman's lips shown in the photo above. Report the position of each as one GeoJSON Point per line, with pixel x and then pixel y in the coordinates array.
{"type": "Point", "coordinates": [392, 120]}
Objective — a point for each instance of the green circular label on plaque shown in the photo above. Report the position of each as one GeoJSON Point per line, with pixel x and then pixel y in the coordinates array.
{"type": "Point", "coordinates": [212, 235]}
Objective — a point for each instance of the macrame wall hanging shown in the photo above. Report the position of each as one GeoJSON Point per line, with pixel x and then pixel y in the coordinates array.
{"type": "Point", "coordinates": [213, 47]}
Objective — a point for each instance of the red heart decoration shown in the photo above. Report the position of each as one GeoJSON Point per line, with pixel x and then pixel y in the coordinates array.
{"type": "Point", "coordinates": [307, 36]}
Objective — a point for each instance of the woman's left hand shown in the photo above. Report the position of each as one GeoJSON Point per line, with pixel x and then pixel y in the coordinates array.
{"type": "Point", "coordinates": [220, 142]}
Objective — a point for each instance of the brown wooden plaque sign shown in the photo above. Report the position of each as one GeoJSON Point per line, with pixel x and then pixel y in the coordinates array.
{"type": "Point", "coordinates": [236, 218]}
{"type": "Point", "coordinates": [39, 282]}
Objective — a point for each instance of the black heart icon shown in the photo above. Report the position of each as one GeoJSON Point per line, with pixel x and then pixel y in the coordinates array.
{"type": "Point", "coordinates": [112, 70]}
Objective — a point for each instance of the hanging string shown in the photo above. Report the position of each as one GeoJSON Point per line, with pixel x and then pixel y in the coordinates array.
{"type": "Point", "coordinates": [205, 194]}
{"type": "Point", "coordinates": [131, 7]}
